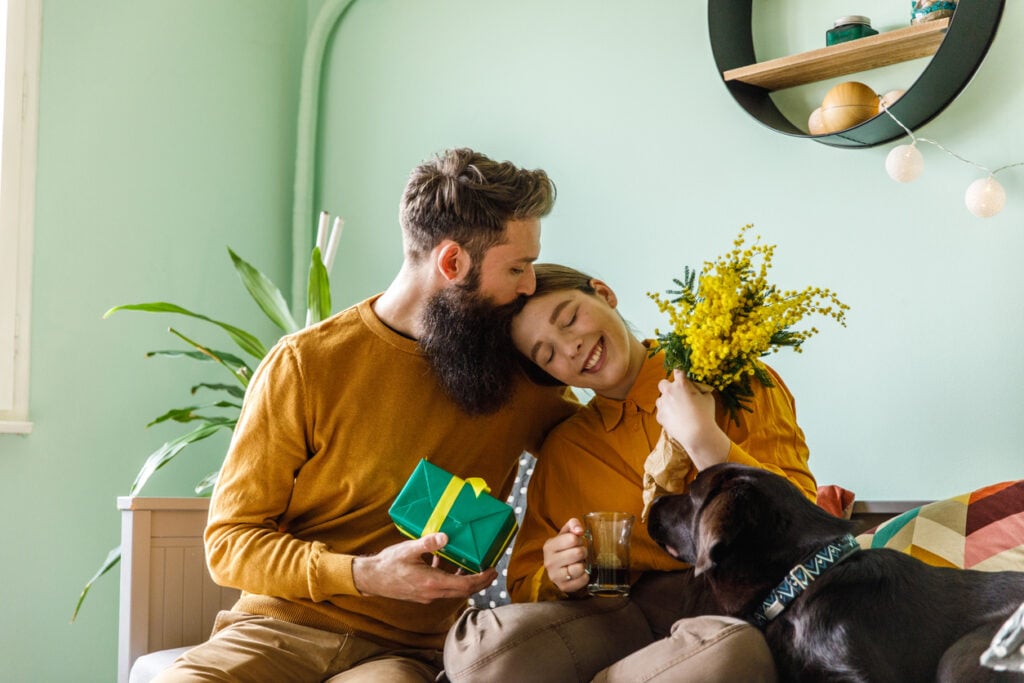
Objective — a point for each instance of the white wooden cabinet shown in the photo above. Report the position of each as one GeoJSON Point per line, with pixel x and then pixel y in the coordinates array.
{"type": "Point", "coordinates": [168, 599]}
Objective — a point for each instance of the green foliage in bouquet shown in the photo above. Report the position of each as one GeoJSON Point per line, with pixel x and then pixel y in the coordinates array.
{"type": "Point", "coordinates": [225, 407]}
{"type": "Point", "coordinates": [724, 319]}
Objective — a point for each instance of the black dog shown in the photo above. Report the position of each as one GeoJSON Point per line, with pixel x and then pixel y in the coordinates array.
{"type": "Point", "coordinates": [830, 611]}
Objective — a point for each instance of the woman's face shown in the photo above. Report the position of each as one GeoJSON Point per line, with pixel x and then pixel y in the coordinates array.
{"type": "Point", "coordinates": [579, 339]}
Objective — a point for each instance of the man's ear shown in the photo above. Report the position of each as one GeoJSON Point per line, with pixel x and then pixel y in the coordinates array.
{"type": "Point", "coordinates": [452, 261]}
{"type": "Point", "coordinates": [604, 291]}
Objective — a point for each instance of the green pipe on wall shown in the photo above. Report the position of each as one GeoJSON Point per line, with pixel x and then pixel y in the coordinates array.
{"type": "Point", "coordinates": [303, 213]}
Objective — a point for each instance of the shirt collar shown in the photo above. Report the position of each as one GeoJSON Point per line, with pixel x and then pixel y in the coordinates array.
{"type": "Point", "coordinates": [641, 396]}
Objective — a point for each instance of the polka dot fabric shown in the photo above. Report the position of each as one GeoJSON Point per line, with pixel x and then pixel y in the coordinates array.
{"type": "Point", "coordinates": [496, 594]}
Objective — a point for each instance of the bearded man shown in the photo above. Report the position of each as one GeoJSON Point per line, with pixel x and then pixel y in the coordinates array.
{"type": "Point", "coordinates": [337, 417]}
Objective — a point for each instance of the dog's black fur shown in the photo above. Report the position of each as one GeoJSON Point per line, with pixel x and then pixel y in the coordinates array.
{"type": "Point", "coordinates": [879, 615]}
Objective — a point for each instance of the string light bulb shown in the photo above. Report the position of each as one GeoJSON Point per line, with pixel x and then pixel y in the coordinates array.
{"type": "Point", "coordinates": [984, 198]}
{"type": "Point", "coordinates": [904, 163]}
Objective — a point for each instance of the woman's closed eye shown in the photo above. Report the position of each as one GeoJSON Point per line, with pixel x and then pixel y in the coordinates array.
{"type": "Point", "coordinates": [542, 353]}
{"type": "Point", "coordinates": [572, 319]}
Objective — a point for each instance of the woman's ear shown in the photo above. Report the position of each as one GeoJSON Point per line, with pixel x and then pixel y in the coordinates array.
{"type": "Point", "coordinates": [604, 291]}
{"type": "Point", "coordinates": [451, 260]}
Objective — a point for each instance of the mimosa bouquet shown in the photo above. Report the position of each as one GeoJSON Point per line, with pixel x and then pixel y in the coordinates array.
{"type": "Point", "coordinates": [729, 316]}
{"type": "Point", "coordinates": [725, 319]}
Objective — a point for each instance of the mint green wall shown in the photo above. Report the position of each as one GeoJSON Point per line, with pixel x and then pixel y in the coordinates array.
{"type": "Point", "coordinates": [167, 133]}
{"type": "Point", "coordinates": [657, 167]}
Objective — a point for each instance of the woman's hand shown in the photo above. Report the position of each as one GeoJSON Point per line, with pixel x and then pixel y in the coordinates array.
{"type": "Point", "coordinates": [565, 558]}
{"type": "Point", "coordinates": [687, 412]}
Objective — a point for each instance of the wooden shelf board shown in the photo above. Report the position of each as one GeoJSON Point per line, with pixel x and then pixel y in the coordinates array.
{"type": "Point", "coordinates": [891, 47]}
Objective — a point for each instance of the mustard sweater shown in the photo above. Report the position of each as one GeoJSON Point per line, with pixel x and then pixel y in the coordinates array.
{"type": "Point", "coordinates": [595, 461]}
{"type": "Point", "coordinates": [334, 421]}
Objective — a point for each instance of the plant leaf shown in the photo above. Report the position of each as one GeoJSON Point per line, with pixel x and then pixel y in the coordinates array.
{"type": "Point", "coordinates": [229, 388]}
{"type": "Point", "coordinates": [205, 485]}
{"type": "Point", "coordinates": [166, 453]}
{"type": "Point", "coordinates": [246, 341]}
{"type": "Point", "coordinates": [113, 557]}
{"type": "Point", "coordinates": [265, 293]}
{"type": "Point", "coordinates": [241, 371]}
{"type": "Point", "coordinates": [185, 414]}
{"type": "Point", "coordinates": [318, 300]}
{"type": "Point", "coordinates": [188, 414]}
{"type": "Point", "coordinates": [210, 355]}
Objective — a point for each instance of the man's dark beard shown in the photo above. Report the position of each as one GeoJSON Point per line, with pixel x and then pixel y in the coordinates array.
{"type": "Point", "coordinates": [467, 342]}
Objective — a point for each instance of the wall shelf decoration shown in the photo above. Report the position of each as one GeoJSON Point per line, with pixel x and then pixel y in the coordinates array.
{"type": "Point", "coordinates": [957, 47]}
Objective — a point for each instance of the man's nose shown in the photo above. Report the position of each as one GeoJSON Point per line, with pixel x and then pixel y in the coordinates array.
{"type": "Point", "coordinates": [528, 282]}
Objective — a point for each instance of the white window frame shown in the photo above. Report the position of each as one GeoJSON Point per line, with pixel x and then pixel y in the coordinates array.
{"type": "Point", "coordinates": [17, 207]}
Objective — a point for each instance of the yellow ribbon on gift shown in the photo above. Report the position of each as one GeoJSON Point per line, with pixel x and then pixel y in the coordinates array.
{"type": "Point", "coordinates": [447, 500]}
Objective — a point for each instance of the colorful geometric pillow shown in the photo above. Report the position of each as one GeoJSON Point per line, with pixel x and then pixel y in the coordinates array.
{"type": "Point", "coordinates": [983, 529]}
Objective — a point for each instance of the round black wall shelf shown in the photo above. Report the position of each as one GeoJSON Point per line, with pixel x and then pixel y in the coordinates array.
{"type": "Point", "coordinates": [967, 40]}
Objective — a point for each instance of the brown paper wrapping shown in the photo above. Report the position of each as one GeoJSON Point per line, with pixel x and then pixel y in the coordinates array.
{"type": "Point", "coordinates": [665, 471]}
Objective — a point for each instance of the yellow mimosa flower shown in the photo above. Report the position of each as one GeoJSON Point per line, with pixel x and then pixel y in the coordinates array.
{"type": "Point", "coordinates": [726, 317]}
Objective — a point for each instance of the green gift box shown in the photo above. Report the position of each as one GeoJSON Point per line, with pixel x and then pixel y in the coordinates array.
{"type": "Point", "coordinates": [479, 526]}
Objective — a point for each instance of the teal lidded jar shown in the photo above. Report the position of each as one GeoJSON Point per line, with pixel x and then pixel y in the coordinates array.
{"type": "Point", "coordinates": [849, 28]}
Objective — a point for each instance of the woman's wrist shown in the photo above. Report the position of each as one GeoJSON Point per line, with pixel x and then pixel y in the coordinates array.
{"type": "Point", "coordinates": [708, 448]}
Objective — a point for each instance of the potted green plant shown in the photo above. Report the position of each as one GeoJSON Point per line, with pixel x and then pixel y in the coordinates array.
{"type": "Point", "coordinates": [229, 402]}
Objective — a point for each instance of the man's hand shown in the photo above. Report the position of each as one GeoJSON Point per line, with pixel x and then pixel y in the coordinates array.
{"type": "Point", "coordinates": [404, 572]}
{"type": "Point", "coordinates": [565, 558]}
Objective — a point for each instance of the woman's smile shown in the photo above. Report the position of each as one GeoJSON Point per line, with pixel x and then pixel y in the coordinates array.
{"type": "Point", "coordinates": [593, 363]}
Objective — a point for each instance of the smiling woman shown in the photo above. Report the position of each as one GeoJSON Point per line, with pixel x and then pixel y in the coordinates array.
{"type": "Point", "coordinates": [18, 116]}
{"type": "Point", "coordinates": [576, 335]}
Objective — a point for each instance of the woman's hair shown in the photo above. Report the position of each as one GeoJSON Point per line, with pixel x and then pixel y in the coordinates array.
{"type": "Point", "coordinates": [552, 277]}
{"type": "Point", "coordinates": [467, 197]}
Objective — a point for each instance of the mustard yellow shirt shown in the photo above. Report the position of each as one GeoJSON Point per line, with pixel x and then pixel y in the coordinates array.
{"type": "Point", "coordinates": [334, 421]}
{"type": "Point", "coordinates": [595, 461]}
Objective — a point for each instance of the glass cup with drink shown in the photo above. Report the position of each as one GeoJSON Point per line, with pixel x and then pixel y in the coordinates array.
{"type": "Point", "coordinates": [607, 540]}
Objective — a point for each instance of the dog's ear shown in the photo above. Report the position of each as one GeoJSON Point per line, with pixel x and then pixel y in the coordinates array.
{"type": "Point", "coordinates": [708, 554]}
{"type": "Point", "coordinates": [715, 533]}
{"type": "Point", "coordinates": [727, 519]}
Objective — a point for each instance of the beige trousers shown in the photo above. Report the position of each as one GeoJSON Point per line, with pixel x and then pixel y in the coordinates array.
{"type": "Point", "coordinates": [666, 631]}
{"type": "Point", "coordinates": [247, 647]}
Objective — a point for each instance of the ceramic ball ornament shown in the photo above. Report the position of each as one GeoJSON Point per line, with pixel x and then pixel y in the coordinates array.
{"type": "Point", "coordinates": [847, 105]}
{"type": "Point", "coordinates": [889, 99]}
{"type": "Point", "coordinates": [815, 124]}
{"type": "Point", "coordinates": [904, 163]}
{"type": "Point", "coordinates": [985, 197]}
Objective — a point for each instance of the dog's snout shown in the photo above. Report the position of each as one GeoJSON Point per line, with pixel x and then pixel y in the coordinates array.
{"type": "Point", "coordinates": [653, 517]}
{"type": "Point", "coordinates": [655, 525]}
{"type": "Point", "coordinates": [668, 525]}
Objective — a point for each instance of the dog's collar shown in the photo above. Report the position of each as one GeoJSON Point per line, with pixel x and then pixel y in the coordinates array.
{"type": "Point", "coordinates": [802, 576]}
